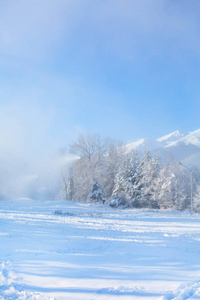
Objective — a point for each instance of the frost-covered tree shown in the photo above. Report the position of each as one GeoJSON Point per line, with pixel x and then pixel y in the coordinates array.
{"type": "Point", "coordinates": [181, 190]}
{"type": "Point", "coordinates": [97, 193]}
{"type": "Point", "coordinates": [137, 181]}
{"type": "Point", "coordinates": [147, 182]}
{"type": "Point", "coordinates": [196, 199]}
{"type": "Point", "coordinates": [125, 181]}
{"type": "Point", "coordinates": [166, 184]}
{"type": "Point", "coordinates": [130, 179]}
{"type": "Point", "coordinates": [82, 179]}
{"type": "Point", "coordinates": [174, 187]}
{"type": "Point", "coordinates": [70, 185]}
{"type": "Point", "coordinates": [92, 150]}
{"type": "Point", "coordinates": [195, 189]}
{"type": "Point", "coordinates": [112, 161]}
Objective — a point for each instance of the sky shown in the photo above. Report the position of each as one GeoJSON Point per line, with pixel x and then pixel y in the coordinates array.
{"type": "Point", "coordinates": [123, 69]}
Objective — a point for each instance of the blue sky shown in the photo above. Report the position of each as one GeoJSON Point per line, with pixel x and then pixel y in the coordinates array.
{"type": "Point", "coordinates": [123, 69]}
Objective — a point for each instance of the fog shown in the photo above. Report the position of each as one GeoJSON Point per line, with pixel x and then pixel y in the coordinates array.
{"type": "Point", "coordinates": [29, 155]}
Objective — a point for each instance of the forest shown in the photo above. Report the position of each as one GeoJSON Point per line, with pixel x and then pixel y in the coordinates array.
{"type": "Point", "coordinates": [106, 172]}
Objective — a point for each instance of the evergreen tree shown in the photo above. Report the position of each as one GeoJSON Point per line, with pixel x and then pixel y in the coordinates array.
{"type": "Point", "coordinates": [147, 183]}
{"type": "Point", "coordinates": [167, 184]}
{"type": "Point", "coordinates": [112, 163]}
{"type": "Point", "coordinates": [97, 193]}
{"type": "Point", "coordinates": [174, 187]}
{"type": "Point", "coordinates": [181, 190]}
{"type": "Point", "coordinates": [125, 178]}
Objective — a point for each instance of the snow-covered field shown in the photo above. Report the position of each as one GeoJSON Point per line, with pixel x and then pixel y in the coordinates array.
{"type": "Point", "coordinates": [95, 252]}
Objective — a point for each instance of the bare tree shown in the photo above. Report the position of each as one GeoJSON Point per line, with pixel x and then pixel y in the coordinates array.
{"type": "Point", "coordinates": [90, 148]}
{"type": "Point", "coordinates": [91, 165]}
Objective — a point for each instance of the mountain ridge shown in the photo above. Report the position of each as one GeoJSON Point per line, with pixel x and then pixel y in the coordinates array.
{"type": "Point", "coordinates": [173, 146]}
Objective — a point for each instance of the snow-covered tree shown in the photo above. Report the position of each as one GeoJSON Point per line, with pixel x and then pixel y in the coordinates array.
{"type": "Point", "coordinates": [147, 181]}
{"type": "Point", "coordinates": [196, 199]}
{"type": "Point", "coordinates": [130, 179]}
{"type": "Point", "coordinates": [182, 190]}
{"type": "Point", "coordinates": [97, 193]}
{"type": "Point", "coordinates": [112, 161]}
{"type": "Point", "coordinates": [91, 150]}
{"type": "Point", "coordinates": [166, 183]}
{"type": "Point", "coordinates": [70, 185]}
{"type": "Point", "coordinates": [174, 187]}
{"type": "Point", "coordinates": [125, 181]}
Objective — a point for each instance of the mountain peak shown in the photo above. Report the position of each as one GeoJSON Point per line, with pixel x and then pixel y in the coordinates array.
{"type": "Point", "coordinates": [175, 146]}
{"type": "Point", "coordinates": [170, 137]}
{"type": "Point", "coordinates": [193, 138]}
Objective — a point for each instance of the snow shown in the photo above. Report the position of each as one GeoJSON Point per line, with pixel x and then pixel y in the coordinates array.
{"type": "Point", "coordinates": [62, 250]}
{"type": "Point", "coordinates": [153, 144]}
{"type": "Point", "coordinates": [193, 138]}
{"type": "Point", "coordinates": [175, 145]}
{"type": "Point", "coordinates": [142, 145]}
{"type": "Point", "coordinates": [134, 145]}
{"type": "Point", "coordinates": [169, 137]}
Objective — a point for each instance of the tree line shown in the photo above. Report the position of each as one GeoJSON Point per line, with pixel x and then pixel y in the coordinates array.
{"type": "Point", "coordinates": [106, 171]}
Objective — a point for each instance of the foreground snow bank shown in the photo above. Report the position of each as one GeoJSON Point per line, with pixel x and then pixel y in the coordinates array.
{"type": "Point", "coordinates": [10, 285]}
{"type": "Point", "coordinates": [62, 250]}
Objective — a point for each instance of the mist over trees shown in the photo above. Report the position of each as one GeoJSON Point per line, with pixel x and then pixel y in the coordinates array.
{"type": "Point", "coordinates": [105, 171]}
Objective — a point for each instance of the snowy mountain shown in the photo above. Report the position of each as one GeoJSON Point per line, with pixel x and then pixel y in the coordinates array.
{"type": "Point", "coordinates": [143, 145]}
{"type": "Point", "coordinates": [175, 146]}
{"type": "Point", "coordinates": [170, 137]}
{"type": "Point", "coordinates": [153, 144]}
{"type": "Point", "coordinates": [192, 138]}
